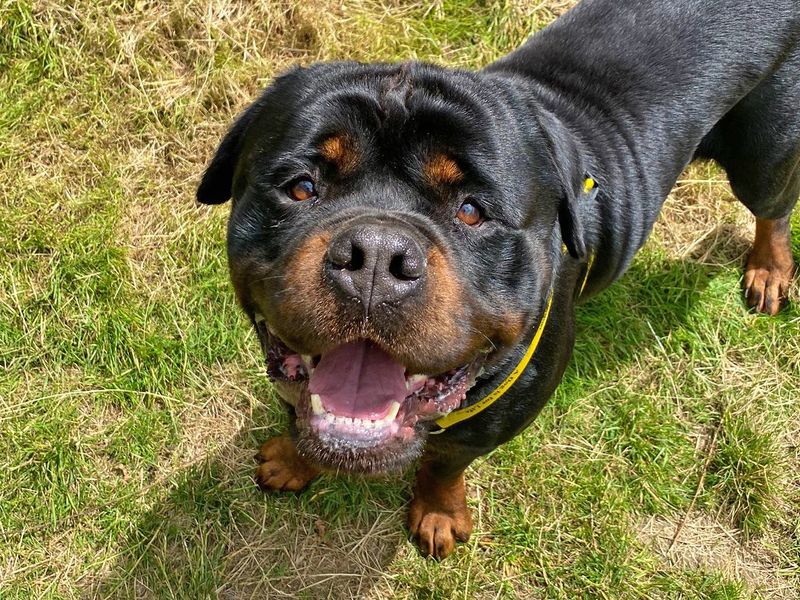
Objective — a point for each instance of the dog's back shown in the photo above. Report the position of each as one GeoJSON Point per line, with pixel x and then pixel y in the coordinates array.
{"type": "Point", "coordinates": [647, 86]}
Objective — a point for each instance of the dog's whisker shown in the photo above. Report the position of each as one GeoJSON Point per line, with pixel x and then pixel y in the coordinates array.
{"type": "Point", "coordinates": [484, 336]}
{"type": "Point", "coordinates": [269, 278]}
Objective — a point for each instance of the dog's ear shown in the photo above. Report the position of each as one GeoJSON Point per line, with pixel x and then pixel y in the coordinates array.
{"type": "Point", "coordinates": [217, 183]}
{"type": "Point", "coordinates": [572, 233]}
{"type": "Point", "coordinates": [566, 161]}
{"type": "Point", "coordinates": [215, 187]}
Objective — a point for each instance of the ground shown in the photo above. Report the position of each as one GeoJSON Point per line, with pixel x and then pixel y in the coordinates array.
{"type": "Point", "coordinates": [133, 396]}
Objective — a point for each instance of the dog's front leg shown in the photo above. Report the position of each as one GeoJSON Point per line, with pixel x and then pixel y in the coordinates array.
{"type": "Point", "coordinates": [439, 516]}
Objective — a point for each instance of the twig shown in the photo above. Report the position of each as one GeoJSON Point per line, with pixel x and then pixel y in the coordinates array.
{"type": "Point", "coordinates": [699, 488]}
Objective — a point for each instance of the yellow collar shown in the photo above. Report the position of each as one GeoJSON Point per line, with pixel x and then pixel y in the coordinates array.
{"type": "Point", "coordinates": [462, 414]}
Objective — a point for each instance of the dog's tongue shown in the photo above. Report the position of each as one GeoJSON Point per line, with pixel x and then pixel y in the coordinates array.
{"type": "Point", "coordinates": [358, 380]}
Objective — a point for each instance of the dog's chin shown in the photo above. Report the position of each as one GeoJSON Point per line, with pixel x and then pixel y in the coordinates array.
{"type": "Point", "coordinates": [358, 410]}
{"type": "Point", "coordinates": [384, 445]}
{"type": "Point", "coordinates": [354, 452]}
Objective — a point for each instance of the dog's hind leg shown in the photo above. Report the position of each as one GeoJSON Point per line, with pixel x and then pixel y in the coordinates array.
{"type": "Point", "coordinates": [758, 144]}
{"type": "Point", "coordinates": [770, 268]}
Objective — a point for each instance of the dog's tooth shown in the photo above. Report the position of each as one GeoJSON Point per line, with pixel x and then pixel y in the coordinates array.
{"type": "Point", "coordinates": [259, 317]}
{"type": "Point", "coordinates": [392, 412]}
{"type": "Point", "coordinates": [316, 404]}
{"type": "Point", "coordinates": [307, 359]}
{"type": "Point", "coordinates": [329, 417]}
{"type": "Point", "coordinates": [414, 380]}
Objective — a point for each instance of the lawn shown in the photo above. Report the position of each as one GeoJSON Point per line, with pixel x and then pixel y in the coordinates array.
{"type": "Point", "coordinates": [133, 396]}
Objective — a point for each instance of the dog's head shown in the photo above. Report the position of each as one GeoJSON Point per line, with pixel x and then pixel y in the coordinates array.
{"type": "Point", "coordinates": [392, 233]}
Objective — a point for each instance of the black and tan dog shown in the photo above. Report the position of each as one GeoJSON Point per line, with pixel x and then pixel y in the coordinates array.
{"type": "Point", "coordinates": [410, 241]}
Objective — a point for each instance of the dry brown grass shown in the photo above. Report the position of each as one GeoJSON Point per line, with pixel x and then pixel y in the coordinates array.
{"type": "Point", "coordinates": [710, 545]}
{"type": "Point", "coordinates": [122, 125]}
{"type": "Point", "coordinates": [320, 561]}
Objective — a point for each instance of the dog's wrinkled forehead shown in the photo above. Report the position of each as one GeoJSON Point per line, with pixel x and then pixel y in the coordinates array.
{"type": "Point", "coordinates": [366, 116]}
{"type": "Point", "coordinates": [411, 137]}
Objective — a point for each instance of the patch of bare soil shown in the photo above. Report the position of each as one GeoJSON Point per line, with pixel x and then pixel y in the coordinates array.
{"type": "Point", "coordinates": [706, 544]}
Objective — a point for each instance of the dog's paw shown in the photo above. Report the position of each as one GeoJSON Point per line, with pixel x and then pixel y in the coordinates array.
{"type": "Point", "coordinates": [770, 266]}
{"type": "Point", "coordinates": [437, 532]}
{"type": "Point", "coordinates": [439, 517]}
{"type": "Point", "coordinates": [766, 290]}
{"type": "Point", "coordinates": [281, 467]}
{"type": "Point", "coordinates": [766, 284]}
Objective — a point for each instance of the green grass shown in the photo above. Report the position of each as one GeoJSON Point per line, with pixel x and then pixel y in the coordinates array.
{"type": "Point", "coordinates": [132, 396]}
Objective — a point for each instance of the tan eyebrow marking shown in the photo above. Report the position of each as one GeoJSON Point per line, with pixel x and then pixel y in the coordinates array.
{"type": "Point", "coordinates": [341, 150]}
{"type": "Point", "coordinates": [442, 170]}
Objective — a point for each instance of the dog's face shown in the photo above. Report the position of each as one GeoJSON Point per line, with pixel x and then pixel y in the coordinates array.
{"type": "Point", "coordinates": [392, 233]}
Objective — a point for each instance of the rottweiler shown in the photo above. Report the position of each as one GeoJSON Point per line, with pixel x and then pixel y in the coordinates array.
{"type": "Point", "coordinates": [410, 241]}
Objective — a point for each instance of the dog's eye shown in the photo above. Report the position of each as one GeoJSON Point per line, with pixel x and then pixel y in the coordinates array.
{"type": "Point", "coordinates": [470, 214]}
{"type": "Point", "coordinates": [302, 189]}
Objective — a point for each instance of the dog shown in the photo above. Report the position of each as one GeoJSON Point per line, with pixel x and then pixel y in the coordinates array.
{"type": "Point", "coordinates": [410, 241]}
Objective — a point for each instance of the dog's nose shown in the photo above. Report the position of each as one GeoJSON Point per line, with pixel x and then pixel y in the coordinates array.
{"type": "Point", "coordinates": [376, 263]}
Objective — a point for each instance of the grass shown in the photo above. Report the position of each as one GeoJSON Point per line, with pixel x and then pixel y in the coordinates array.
{"type": "Point", "coordinates": [132, 396]}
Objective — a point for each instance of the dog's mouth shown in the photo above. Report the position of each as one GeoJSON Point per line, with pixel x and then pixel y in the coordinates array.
{"type": "Point", "coordinates": [357, 408]}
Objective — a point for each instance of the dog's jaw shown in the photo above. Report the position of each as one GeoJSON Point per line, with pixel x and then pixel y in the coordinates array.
{"type": "Point", "coordinates": [365, 437]}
